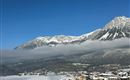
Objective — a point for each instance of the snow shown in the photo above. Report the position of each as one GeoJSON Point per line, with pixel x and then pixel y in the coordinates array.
{"type": "Point", "coordinates": [36, 77]}
{"type": "Point", "coordinates": [53, 39]}
{"type": "Point", "coordinates": [115, 35]}
{"type": "Point", "coordinates": [88, 34]}
{"type": "Point", "coordinates": [104, 36]}
{"type": "Point", "coordinates": [123, 34]}
{"type": "Point", "coordinates": [57, 39]}
{"type": "Point", "coordinates": [117, 22]}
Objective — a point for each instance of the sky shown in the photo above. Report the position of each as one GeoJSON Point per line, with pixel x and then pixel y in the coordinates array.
{"type": "Point", "coordinates": [24, 20]}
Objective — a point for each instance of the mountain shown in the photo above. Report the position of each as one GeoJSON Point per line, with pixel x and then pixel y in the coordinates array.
{"type": "Point", "coordinates": [109, 45]}
{"type": "Point", "coordinates": [119, 27]}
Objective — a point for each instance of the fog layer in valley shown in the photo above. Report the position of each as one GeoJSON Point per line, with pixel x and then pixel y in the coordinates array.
{"type": "Point", "coordinates": [120, 46]}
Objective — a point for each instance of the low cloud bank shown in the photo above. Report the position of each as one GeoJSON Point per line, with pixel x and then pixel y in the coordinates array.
{"type": "Point", "coordinates": [65, 50]}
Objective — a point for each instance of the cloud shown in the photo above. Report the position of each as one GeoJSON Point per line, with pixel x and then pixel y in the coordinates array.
{"type": "Point", "coordinates": [64, 50]}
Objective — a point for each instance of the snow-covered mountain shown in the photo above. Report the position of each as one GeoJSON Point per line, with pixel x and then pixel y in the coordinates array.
{"type": "Point", "coordinates": [117, 28]}
{"type": "Point", "coordinates": [51, 41]}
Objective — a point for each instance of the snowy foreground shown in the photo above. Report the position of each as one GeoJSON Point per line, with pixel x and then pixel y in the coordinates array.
{"type": "Point", "coordinates": [54, 77]}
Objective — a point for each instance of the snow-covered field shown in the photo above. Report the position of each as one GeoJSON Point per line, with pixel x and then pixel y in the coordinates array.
{"type": "Point", "coordinates": [54, 77]}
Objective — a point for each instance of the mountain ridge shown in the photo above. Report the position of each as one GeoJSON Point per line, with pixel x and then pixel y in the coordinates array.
{"type": "Point", "coordinates": [117, 28]}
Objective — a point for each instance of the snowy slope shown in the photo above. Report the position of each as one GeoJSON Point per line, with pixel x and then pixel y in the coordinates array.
{"type": "Point", "coordinates": [117, 28]}
{"type": "Point", "coordinates": [118, 22]}
{"type": "Point", "coordinates": [36, 77]}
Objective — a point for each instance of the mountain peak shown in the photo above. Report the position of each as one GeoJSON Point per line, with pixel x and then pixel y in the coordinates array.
{"type": "Point", "coordinates": [119, 27]}
{"type": "Point", "coordinates": [117, 22]}
{"type": "Point", "coordinates": [121, 17]}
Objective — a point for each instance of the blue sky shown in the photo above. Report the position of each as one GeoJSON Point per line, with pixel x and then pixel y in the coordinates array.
{"type": "Point", "coordinates": [23, 20]}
